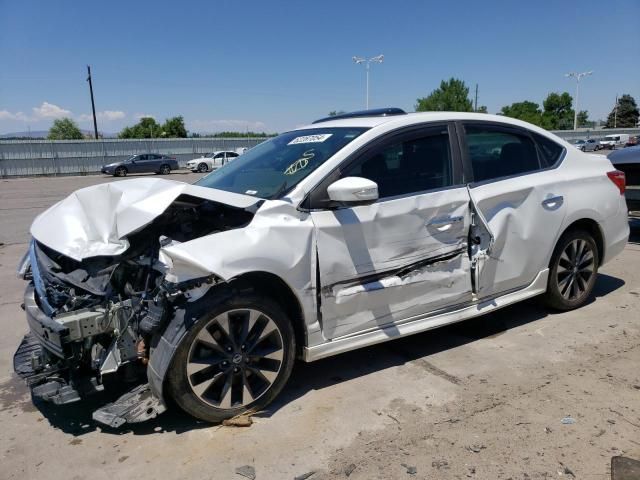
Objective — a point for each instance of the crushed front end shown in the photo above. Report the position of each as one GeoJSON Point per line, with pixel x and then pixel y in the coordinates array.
{"type": "Point", "coordinates": [93, 320]}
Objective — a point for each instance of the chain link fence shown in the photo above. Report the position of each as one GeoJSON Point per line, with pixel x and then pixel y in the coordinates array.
{"type": "Point", "coordinates": [66, 157]}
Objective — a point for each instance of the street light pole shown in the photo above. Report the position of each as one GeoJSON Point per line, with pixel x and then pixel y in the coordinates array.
{"type": "Point", "coordinates": [577, 76]}
{"type": "Point", "coordinates": [367, 62]}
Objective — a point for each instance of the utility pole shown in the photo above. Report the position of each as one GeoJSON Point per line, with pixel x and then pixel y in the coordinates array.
{"type": "Point", "coordinates": [615, 113]}
{"type": "Point", "coordinates": [93, 105]}
{"type": "Point", "coordinates": [475, 108]}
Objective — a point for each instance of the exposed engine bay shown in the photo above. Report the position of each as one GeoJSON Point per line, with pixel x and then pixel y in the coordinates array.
{"type": "Point", "coordinates": [96, 318]}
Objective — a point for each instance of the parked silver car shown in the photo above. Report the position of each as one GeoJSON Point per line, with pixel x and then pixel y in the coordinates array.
{"type": "Point", "coordinates": [589, 145]}
{"type": "Point", "coordinates": [142, 163]}
{"type": "Point", "coordinates": [352, 231]}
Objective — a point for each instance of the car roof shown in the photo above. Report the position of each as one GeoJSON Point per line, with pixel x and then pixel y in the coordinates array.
{"type": "Point", "coordinates": [423, 117]}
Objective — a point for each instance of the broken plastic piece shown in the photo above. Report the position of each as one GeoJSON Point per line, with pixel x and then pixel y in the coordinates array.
{"type": "Point", "coordinates": [568, 420]}
{"type": "Point", "coordinates": [138, 405]}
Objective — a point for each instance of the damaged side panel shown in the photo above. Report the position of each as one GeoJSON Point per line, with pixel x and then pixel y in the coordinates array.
{"type": "Point", "coordinates": [383, 263]}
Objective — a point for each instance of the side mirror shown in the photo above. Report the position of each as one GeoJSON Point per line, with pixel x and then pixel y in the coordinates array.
{"type": "Point", "coordinates": [352, 191]}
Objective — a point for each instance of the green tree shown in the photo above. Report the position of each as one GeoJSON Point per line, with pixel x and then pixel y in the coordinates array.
{"type": "Point", "coordinates": [627, 114]}
{"type": "Point", "coordinates": [583, 119]}
{"type": "Point", "coordinates": [174, 128]}
{"type": "Point", "coordinates": [557, 114]}
{"type": "Point", "coordinates": [526, 111]}
{"type": "Point", "coordinates": [451, 96]}
{"type": "Point", "coordinates": [147, 127]}
{"type": "Point", "coordinates": [482, 109]}
{"type": "Point", "coordinates": [333, 113]}
{"type": "Point", "coordinates": [64, 129]}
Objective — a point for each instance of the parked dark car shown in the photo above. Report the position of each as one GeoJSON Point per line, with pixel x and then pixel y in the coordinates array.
{"type": "Point", "coordinates": [142, 163]}
{"type": "Point", "coordinates": [628, 161]}
{"type": "Point", "coordinates": [633, 141]}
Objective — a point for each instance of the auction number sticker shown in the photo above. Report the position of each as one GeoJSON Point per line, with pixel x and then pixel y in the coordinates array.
{"type": "Point", "coordinates": [310, 139]}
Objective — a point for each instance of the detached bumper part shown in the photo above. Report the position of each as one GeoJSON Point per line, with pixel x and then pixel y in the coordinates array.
{"type": "Point", "coordinates": [138, 405]}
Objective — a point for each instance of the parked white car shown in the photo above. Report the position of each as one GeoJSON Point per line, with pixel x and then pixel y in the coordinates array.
{"type": "Point", "coordinates": [345, 233]}
{"type": "Point", "coordinates": [211, 161]}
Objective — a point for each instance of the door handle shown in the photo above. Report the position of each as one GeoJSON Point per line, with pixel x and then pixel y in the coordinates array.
{"type": "Point", "coordinates": [553, 202]}
{"type": "Point", "coordinates": [443, 223]}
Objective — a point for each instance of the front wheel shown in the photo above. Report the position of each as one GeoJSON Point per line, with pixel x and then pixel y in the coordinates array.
{"type": "Point", "coordinates": [573, 271]}
{"type": "Point", "coordinates": [165, 169]}
{"type": "Point", "coordinates": [120, 172]}
{"type": "Point", "coordinates": [236, 358]}
{"type": "Point", "coordinates": [202, 167]}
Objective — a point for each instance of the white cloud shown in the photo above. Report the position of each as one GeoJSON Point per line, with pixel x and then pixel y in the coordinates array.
{"type": "Point", "coordinates": [225, 125]}
{"type": "Point", "coordinates": [106, 115]}
{"type": "Point", "coordinates": [7, 115]}
{"type": "Point", "coordinates": [49, 110]}
{"type": "Point", "coordinates": [138, 116]}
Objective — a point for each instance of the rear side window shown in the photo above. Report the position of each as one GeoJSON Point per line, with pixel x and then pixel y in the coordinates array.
{"type": "Point", "coordinates": [409, 166]}
{"type": "Point", "coordinates": [497, 152]}
{"type": "Point", "coordinates": [550, 151]}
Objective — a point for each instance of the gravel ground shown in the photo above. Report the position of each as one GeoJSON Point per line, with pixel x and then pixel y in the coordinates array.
{"type": "Point", "coordinates": [482, 399]}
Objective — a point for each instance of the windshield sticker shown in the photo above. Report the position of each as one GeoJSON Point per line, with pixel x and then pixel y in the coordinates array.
{"type": "Point", "coordinates": [251, 192]}
{"type": "Point", "coordinates": [300, 163]}
{"type": "Point", "coordinates": [310, 139]}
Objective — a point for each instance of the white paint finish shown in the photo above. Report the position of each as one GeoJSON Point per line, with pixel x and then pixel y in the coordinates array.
{"type": "Point", "coordinates": [96, 220]}
{"type": "Point", "coordinates": [353, 189]}
{"type": "Point", "coordinates": [422, 323]}
{"type": "Point", "coordinates": [357, 242]}
{"type": "Point", "coordinates": [525, 228]}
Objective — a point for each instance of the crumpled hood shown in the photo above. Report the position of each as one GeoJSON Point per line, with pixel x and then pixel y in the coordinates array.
{"type": "Point", "coordinates": [96, 220]}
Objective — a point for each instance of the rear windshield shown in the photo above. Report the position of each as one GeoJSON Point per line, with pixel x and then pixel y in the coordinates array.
{"type": "Point", "coordinates": [274, 167]}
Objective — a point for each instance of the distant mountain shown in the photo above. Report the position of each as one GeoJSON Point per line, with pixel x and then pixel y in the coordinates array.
{"type": "Point", "coordinates": [42, 134]}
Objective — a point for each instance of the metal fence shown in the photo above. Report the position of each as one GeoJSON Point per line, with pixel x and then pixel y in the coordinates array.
{"type": "Point", "coordinates": [585, 134]}
{"type": "Point", "coordinates": [65, 157]}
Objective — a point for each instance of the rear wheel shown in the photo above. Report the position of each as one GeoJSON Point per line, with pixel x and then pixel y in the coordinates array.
{"type": "Point", "coordinates": [236, 358]}
{"type": "Point", "coordinates": [120, 172]}
{"type": "Point", "coordinates": [202, 167]}
{"type": "Point", "coordinates": [165, 169]}
{"type": "Point", "coordinates": [574, 267]}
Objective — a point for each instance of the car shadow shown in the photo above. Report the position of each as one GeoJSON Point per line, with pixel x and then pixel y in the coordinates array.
{"type": "Point", "coordinates": [76, 419]}
{"type": "Point", "coordinates": [634, 226]}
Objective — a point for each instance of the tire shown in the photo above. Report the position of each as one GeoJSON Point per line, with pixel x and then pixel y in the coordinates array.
{"type": "Point", "coordinates": [164, 169]}
{"type": "Point", "coordinates": [120, 172]}
{"type": "Point", "coordinates": [233, 381]}
{"type": "Point", "coordinates": [202, 167]}
{"type": "Point", "coordinates": [571, 280]}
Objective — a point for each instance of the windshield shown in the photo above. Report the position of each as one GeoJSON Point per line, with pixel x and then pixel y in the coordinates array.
{"type": "Point", "coordinates": [274, 167]}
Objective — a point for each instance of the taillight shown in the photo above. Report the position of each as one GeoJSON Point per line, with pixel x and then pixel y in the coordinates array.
{"type": "Point", "coordinates": [617, 177]}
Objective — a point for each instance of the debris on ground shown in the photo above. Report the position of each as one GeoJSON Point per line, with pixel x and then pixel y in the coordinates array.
{"type": "Point", "coordinates": [348, 470]}
{"type": "Point", "coordinates": [472, 472]}
{"type": "Point", "coordinates": [440, 464]}
{"type": "Point", "coordinates": [304, 476]}
{"type": "Point", "coordinates": [247, 471]}
{"type": "Point", "coordinates": [475, 448]}
{"type": "Point", "coordinates": [242, 420]}
{"type": "Point", "coordinates": [410, 469]}
{"type": "Point", "coordinates": [623, 468]}
{"type": "Point", "coordinates": [547, 430]}
{"type": "Point", "coordinates": [566, 470]}
{"type": "Point", "coordinates": [568, 420]}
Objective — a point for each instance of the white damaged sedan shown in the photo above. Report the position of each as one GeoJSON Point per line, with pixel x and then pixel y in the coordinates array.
{"type": "Point", "coordinates": [352, 231]}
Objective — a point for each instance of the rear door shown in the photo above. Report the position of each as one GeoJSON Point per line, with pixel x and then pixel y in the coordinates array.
{"type": "Point", "coordinates": [519, 193]}
{"type": "Point", "coordinates": [404, 255]}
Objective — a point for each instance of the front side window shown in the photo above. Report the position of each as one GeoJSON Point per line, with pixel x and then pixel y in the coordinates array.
{"type": "Point", "coordinates": [407, 166]}
{"type": "Point", "coordinates": [272, 168]}
{"type": "Point", "coordinates": [497, 152]}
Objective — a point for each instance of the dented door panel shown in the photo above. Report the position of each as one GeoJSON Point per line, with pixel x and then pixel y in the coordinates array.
{"type": "Point", "coordinates": [382, 263]}
{"type": "Point", "coordinates": [524, 216]}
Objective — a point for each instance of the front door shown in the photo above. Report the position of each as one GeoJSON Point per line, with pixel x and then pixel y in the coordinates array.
{"type": "Point", "coordinates": [404, 255]}
{"type": "Point", "coordinates": [519, 195]}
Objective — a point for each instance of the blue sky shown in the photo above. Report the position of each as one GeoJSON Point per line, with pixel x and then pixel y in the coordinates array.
{"type": "Point", "coordinates": [231, 65]}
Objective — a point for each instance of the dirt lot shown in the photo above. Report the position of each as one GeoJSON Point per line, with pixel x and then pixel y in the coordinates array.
{"type": "Point", "coordinates": [483, 399]}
